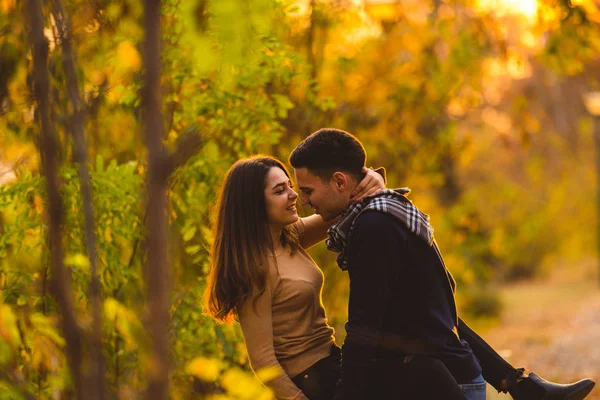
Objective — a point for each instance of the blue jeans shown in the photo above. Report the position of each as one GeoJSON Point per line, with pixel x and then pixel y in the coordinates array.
{"type": "Point", "coordinates": [474, 390]}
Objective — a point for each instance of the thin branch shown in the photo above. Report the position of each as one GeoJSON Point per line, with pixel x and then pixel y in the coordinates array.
{"type": "Point", "coordinates": [188, 146]}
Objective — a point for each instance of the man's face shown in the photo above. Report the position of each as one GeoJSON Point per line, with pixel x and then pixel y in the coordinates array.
{"type": "Point", "coordinates": [326, 198]}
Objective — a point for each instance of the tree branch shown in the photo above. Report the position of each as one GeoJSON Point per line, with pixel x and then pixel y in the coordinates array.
{"type": "Point", "coordinates": [188, 146]}
{"type": "Point", "coordinates": [63, 24]}
{"type": "Point", "coordinates": [49, 148]}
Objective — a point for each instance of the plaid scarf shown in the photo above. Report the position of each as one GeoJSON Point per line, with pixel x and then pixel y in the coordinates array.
{"type": "Point", "coordinates": [393, 202]}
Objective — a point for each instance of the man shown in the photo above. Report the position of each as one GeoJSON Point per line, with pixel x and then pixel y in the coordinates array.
{"type": "Point", "coordinates": [401, 302]}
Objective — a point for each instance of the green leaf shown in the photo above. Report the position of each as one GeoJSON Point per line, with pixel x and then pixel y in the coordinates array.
{"type": "Point", "coordinates": [10, 392]}
{"type": "Point", "coordinates": [189, 233]}
{"type": "Point", "coordinates": [99, 163]}
{"type": "Point", "coordinates": [193, 249]}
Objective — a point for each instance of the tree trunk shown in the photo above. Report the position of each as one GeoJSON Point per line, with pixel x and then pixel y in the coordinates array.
{"type": "Point", "coordinates": [49, 149]}
{"type": "Point", "coordinates": [157, 264]}
{"type": "Point", "coordinates": [97, 370]}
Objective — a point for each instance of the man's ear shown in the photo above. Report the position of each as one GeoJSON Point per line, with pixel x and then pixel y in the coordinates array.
{"type": "Point", "coordinates": [340, 180]}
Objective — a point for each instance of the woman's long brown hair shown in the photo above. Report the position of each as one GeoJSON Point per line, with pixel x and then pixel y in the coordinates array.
{"type": "Point", "coordinates": [239, 264]}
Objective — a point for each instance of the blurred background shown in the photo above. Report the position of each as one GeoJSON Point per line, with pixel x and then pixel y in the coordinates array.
{"type": "Point", "coordinates": [489, 110]}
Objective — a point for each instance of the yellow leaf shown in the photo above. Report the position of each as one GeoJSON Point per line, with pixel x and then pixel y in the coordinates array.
{"type": "Point", "coordinates": [207, 369]}
{"type": "Point", "coordinates": [241, 385]}
{"type": "Point", "coordinates": [45, 353]}
{"type": "Point", "coordinates": [269, 373]}
{"type": "Point", "coordinates": [108, 235]}
{"type": "Point", "coordinates": [384, 11]}
{"type": "Point", "coordinates": [45, 327]}
{"type": "Point", "coordinates": [8, 5]}
{"type": "Point", "coordinates": [96, 77]}
{"type": "Point", "coordinates": [8, 326]}
{"type": "Point", "coordinates": [112, 97]}
{"type": "Point", "coordinates": [78, 260]}
{"type": "Point", "coordinates": [208, 235]}
{"type": "Point", "coordinates": [129, 56]}
{"type": "Point", "coordinates": [39, 204]}
{"type": "Point", "coordinates": [111, 308]}
{"type": "Point", "coordinates": [218, 397]}
{"type": "Point", "coordinates": [126, 322]}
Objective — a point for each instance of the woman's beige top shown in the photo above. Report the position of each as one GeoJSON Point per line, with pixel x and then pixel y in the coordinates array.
{"type": "Point", "coordinates": [288, 327]}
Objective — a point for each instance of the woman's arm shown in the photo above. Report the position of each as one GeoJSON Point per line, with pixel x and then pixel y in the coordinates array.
{"type": "Point", "coordinates": [257, 328]}
{"type": "Point", "coordinates": [373, 182]}
{"type": "Point", "coordinates": [315, 229]}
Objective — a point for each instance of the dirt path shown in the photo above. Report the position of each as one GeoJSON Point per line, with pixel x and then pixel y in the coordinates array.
{"type": "Point", "coordinates": [553, 328]}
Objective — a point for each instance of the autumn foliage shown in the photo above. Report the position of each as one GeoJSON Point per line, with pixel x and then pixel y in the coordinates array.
{"type": "Point", "coordinates": [477, 109]}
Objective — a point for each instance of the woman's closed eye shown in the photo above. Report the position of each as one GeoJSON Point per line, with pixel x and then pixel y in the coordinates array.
{"type": "Point", "coordinates": [281, 189]}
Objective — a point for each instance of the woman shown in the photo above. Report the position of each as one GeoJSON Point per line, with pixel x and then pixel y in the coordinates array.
{"type": "Point", "coordinates": [262, 275]}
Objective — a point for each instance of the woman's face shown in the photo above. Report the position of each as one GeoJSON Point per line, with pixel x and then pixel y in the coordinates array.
{"type": "Point", "coordinates": [280, 198]}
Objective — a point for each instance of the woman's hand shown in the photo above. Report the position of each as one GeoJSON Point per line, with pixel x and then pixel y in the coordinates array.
{"type": "Point", "coordinates": [372, 184]}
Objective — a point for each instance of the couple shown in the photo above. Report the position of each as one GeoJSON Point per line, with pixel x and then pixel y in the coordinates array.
{"type": "Point", "coordinates": [404, 339]}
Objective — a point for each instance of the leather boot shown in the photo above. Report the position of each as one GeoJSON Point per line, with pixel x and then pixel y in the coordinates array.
{"type": "Point", "coordinates": [536, 388]}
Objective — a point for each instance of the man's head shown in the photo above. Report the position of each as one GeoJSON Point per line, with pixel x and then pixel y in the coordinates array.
{"type": "Point", "coordinates": [328, 166]}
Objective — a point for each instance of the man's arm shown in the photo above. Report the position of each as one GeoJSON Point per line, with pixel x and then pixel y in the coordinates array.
{"type": "Point", "coordinates": [376, 248]}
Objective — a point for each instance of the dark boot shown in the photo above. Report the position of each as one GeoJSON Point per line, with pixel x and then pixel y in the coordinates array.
{"type": "Point", "coordinates": [536, 388]}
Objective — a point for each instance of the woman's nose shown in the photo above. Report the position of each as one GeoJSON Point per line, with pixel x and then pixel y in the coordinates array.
{"type": "Point", "coordinates": [293, 195]}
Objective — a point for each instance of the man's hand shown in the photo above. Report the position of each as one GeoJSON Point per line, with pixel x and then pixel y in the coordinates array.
{"type": "Point", "coordinates": [372, 184]}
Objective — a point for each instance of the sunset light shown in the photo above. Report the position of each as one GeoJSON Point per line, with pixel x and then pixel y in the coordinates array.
{"type": "Point", "coordinates": [185, 193]}
{"type": "Point", "coordinates": [527, 8]}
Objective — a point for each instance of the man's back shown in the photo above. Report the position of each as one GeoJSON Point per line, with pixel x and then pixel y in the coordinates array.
{"type": "Point", "coordinates": [401, 301]}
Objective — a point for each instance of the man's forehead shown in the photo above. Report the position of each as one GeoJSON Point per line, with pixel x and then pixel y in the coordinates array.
{"type": "Point", "coordinates": [304, 176]}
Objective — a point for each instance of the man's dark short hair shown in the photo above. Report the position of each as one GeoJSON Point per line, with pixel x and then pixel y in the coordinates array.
{"type": "Point", "coordinates": [329, 150]}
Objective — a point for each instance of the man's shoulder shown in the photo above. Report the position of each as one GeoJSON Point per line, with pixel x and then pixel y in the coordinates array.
{"type": "Point", "coordinates": [370, 217]}
{"type": "Point", "coordinates": [378, 221]}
